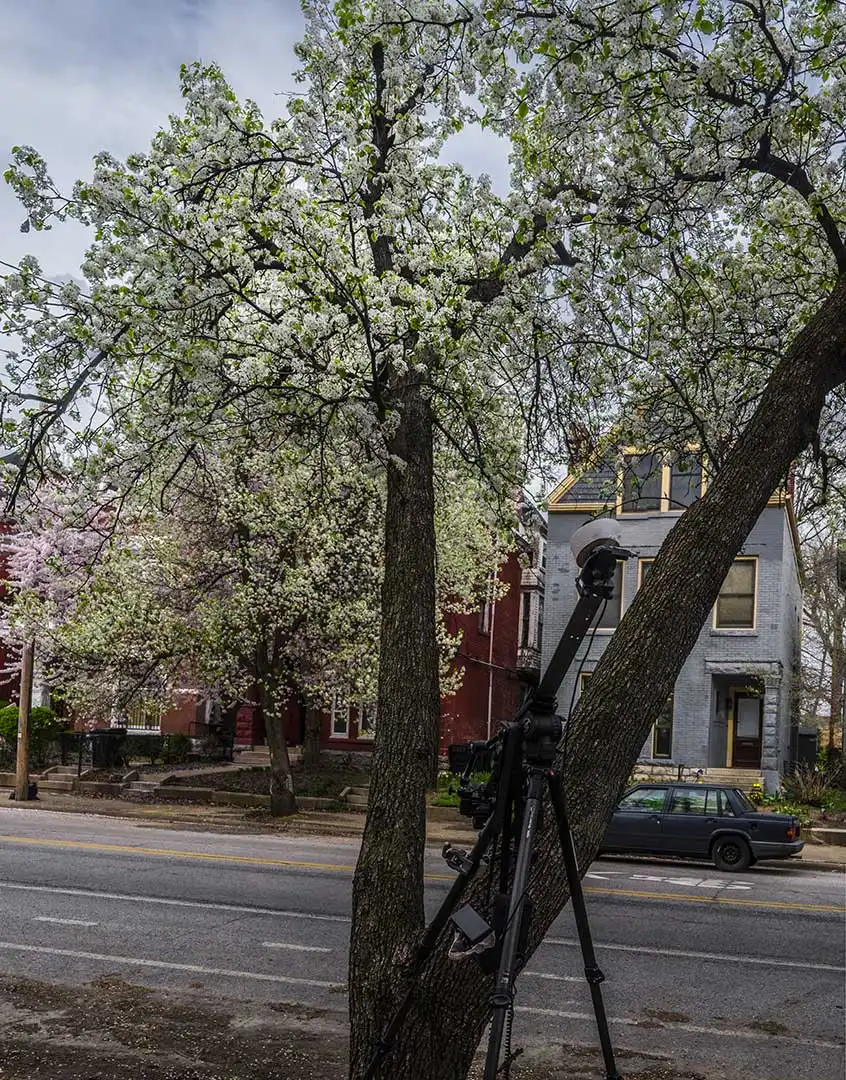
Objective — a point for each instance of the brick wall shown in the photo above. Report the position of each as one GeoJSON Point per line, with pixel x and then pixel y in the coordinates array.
{"type": "Point", "coordinates": [488, 661]}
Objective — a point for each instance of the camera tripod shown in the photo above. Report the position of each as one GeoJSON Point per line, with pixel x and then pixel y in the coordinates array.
{"type": "Point", "coordinates": [509, 811]}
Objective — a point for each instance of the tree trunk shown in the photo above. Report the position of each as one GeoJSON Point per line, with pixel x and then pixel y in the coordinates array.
{"type": "Point", "coordinates": [633, 678]}
{"type": "Point", "coordinates": [836, 699]}
{"type": "Point", "coordinates": [311, 743]}
{"type": "Point", "coordinates": [387, 914]}
{"type": "Point", "coordinates": [282, 800]}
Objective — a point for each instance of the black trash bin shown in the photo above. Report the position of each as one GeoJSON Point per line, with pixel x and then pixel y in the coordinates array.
{"type": "Point", "coordinates": [108, 747]}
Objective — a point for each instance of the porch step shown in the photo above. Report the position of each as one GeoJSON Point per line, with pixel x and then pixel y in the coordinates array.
{"type": "Point", "coordinates": [741, 778]}
{"type": "Point", "coordinates": [143, 785]}
{"type": "Point", "coordinates": [259, 755]}
{"type": "Point", "coordinates": [60, 771]}
{"type": "Point", "coordinates": [55, 785]}
{"type": "Point", "coordinates": [358, 797]}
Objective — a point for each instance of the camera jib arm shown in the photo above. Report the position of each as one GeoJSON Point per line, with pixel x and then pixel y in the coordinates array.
{"type": "Point", "coordinates": [508, 812]}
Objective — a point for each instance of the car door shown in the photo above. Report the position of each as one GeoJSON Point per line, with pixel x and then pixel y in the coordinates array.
{"type": "Point", "coordinates": [690, 820]}
{"type": "Point", "coordinates": [636, 824]}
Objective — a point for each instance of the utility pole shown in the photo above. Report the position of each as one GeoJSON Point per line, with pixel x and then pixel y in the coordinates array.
{"type": "Point", "coordinates": [22, 772]}
{"type": "Point", "coordinates": [838, 656]}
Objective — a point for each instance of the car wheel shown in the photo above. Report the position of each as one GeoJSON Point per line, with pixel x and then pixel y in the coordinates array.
{"type": "Point", "coordinates": [731, 853]}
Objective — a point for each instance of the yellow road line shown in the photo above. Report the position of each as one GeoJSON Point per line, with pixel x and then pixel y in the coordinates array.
{"type": "Point", "coordinates": [298, 864]}
{"type": "Point", "coordinates": [734, 901]}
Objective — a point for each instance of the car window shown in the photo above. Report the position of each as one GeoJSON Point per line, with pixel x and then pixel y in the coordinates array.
{"type": "Point", "coordinates": [691, 800]}
{"type": "Point", "coordinates": [725, 805]}
{"type": "Point", "coordinates": [746, 804]}
{"type": "Point", "coordinates": [647, 799]}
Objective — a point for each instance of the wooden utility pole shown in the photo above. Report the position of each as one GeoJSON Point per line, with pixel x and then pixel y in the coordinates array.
{"type": "Point", "coordinates": [22, 771]}
{"type": "Point", "coordinates": [838, 657]}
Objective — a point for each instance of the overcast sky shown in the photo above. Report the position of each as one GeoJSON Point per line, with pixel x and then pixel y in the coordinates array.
{"type": "Point", "coordinates": [98, 75]}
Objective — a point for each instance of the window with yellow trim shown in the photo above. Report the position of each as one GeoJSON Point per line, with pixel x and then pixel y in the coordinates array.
{"type": "Point", "coordinates": [736, 603]}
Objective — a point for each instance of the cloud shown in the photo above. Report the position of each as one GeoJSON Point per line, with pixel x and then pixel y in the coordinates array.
{"type": "Point", "coordinates": [103, 75]}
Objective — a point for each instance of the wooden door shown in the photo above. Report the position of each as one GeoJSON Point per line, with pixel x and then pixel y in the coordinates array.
{"type": "Point", "coordinates": [748, 720]}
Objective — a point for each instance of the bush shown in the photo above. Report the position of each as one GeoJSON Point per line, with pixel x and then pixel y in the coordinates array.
{"type": "Point", "coordinates": [44, 727]}
{"type": "Point", "coordinates": [176, 748]}
{"type": "Point", "coordinates": [146, 746]}
{"type": "Point", "coordinates": [812, 785]}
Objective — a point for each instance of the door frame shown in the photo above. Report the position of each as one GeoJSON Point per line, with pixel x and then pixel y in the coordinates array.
{"type": "Point", "coordinates": [736, 693]}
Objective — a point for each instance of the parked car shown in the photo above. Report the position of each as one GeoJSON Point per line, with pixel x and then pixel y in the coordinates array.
{"type": "Point", "coordinates": [702, 821]}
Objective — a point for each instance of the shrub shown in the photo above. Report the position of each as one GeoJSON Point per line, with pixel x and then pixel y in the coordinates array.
{"type": "Point", "coordinates": [812, 785]}
{"type": "Point", "coordinates": [146, 746]}
{"type": "Point", "coordinates": [756, 793]}
{"type": "Point", "coordinates": [176, 748]}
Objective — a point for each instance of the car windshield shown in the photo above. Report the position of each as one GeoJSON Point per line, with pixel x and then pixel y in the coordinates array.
{"type": "Point", "coordinates": [745, 802]}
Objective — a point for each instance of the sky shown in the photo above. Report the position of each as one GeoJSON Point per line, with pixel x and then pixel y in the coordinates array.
{"type": "Point", "coordinates": [96, 75]}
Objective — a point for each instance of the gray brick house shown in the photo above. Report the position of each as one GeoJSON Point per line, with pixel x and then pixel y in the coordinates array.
{"type": "Point", "coordinates": [733, 705]}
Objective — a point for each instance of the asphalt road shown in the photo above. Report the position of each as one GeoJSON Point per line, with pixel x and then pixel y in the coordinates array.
{"type": "Point", "coordinates": [735, 975]}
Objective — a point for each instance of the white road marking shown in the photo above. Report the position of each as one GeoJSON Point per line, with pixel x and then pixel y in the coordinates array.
{"type": "Point", "coordinates": [64, 922]}
{"type": "Point", "coordinates": [694, 883]}
{"type": "Point", "coordinates": [737, 958]}
{"type": "Point", "coordinates": [694, 1029]}
{"type": "Point", "coordinates": [194, 969]}
{"type": "Point", "coordinates": [298, 948]}
{"type": "Point", "coordinates": [244, 909]}
{"type": "Point", "coordinates": [554, 978]}
{"type": "Point", "coordinates": [605, 875]}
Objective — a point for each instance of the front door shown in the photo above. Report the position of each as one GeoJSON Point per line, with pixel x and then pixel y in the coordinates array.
{"type": "Point", "coordinates": [748, 716]}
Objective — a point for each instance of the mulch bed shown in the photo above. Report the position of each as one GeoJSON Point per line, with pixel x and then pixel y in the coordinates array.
{"type": "Point", "coordinates": [325, 781]}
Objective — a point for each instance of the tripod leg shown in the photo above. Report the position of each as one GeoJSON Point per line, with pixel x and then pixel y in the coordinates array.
{"type": "Point", "coordinates": [506, 974]}
{"type": "Point", "coordinates": [430, 940]}
{"type": "Point", "coordinates": [593, 974]}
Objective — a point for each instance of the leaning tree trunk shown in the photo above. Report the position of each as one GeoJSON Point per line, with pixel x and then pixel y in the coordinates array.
{"type": "Point", "coordinates": [635, 675]}
{"type": "Point", "coordinates": [282, 799]}
{"type": "Point", "coordinates": [387, 914]}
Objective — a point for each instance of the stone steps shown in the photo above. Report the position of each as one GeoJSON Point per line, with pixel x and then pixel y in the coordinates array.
{"type": "Point", "coordinates": [55, 785]}
{"type": "Point", "coordinates": [259, 755]}
{"type": "Point", "coordinates": [358, 797]}
{"type": "Point", "coordinates": [143, 785]}
{"type": "Point", "coordinates": [741, 778]}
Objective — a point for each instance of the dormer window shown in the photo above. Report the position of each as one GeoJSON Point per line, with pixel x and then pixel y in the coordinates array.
{"type": "Point", "coordinates": [685, 482]}
{"type": "Point", "coordinates": [651, 483]}
{"type": "Point", "coordinates": [642, 483]}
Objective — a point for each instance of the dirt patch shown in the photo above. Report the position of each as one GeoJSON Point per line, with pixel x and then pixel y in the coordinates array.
{"type": "Point", "coordinates": [324, 781]}
{"type": "Point", "coordinates": [115, 1030]}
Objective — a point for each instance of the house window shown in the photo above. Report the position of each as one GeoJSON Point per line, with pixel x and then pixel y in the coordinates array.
{"type": "Point", "coordinates": [610, 617]}
{"type": "Point", "coordinates": [367, 719]}
{"type": "Point", "coordinates": [583, 681]}
{"type": "Point", "coordinates": [340, 717]}
{"type": "Point", "coordinates": [526, 620]}
{"type": "Point", "coordinates": [735, 608]}
{"type": "Point", "coordinates": [539, 637]}
{"type": "Point", "coordinates": [643, 568]}
{"type": "Point", "coordinates": [642, 478]}
{"type": "Point", "coordinates": [662, 732]}
{"type": "Point", "coordinates": [685, 483]}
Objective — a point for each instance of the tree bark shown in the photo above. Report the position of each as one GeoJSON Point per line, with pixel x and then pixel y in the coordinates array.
{"type": "Point", "coordinates": [387, 912]}
{"type": "Point", "coordinates": [282, 799]}
{"type": "Point", "coordinates": [311, 743]}
{"type": "Point", "coordinates": [634, 676]}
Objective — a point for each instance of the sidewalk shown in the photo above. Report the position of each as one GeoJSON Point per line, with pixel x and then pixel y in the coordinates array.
{"type": "Point", "coordinates": [312, 823]}
{"type": "Point", "coordinates": [232, 818]}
